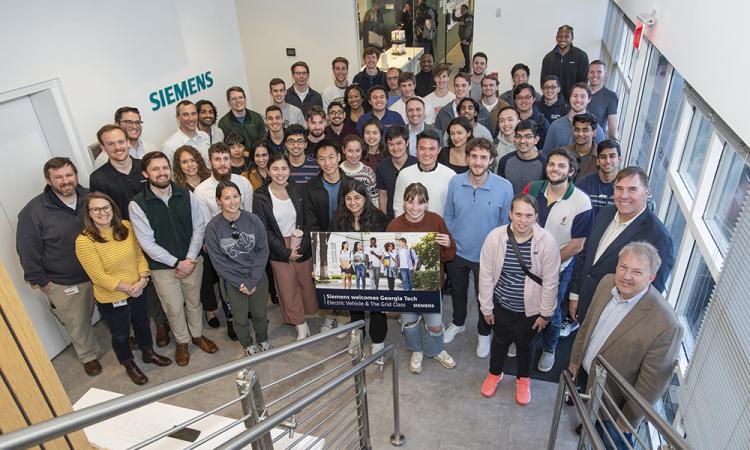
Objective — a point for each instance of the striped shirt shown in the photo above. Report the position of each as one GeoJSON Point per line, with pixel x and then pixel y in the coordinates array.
{"type": "Point", "coordinates": [301, 174]}
{"type": "Point", "coordinates": [509, 288]}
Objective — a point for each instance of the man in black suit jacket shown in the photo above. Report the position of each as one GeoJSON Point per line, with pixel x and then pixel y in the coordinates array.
{"type": "Point", "coordinates": [628, 220]}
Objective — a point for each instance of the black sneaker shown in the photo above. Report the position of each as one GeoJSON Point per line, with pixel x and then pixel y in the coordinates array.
{"type": "Point", "coordinates": [230, 331]}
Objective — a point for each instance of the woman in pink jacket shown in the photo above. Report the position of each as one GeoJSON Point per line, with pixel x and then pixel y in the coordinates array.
{"type": "Point", "coordinates": [518, 276]}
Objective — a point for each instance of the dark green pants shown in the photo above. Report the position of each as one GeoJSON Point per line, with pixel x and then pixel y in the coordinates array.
{"type": "Point", "coordinates": [254, 304]}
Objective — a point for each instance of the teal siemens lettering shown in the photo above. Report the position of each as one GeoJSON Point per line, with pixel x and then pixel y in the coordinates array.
{"type": "Point", "coordinates": [178, 91]}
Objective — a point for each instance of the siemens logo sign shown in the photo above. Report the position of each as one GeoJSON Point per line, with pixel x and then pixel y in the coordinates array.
{"type": "Point", "coordinates": [178, 91]}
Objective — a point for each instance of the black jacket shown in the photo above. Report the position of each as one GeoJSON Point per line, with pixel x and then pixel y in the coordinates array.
{"type": "Point", "coordinates": [263, 208]}
{"type": "Point", "coordinates": [46, 239]}
{"type": "Point", "coordinates": [316, 202]}
{"type": "Point", "coordinates": [121, 187]}
{"type": "Point", "coordinates": [571, 68]}
{"type": "Point", "coordinates": [587, 274]}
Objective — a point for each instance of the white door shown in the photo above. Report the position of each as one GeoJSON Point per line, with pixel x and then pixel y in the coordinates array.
{"type": "Point", "coordinates": [24, 150]}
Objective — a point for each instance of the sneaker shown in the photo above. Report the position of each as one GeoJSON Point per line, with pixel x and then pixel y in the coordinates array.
{"type": "Point", "coordinates": [568, 327]}
{"type": "Point", "coordinates": [328, 324]}
{"type": "Point", "coordinates": [512, 350]}
{"type": "Point", "coordinates": [415, 365]}
{"type": "Point", "coordinates": [251, 350]}
{"type": "Point", "coordinates": [490, 385]}
{"type": "Point", "coordinates": [374, 348]}
{"type": "Point", "coordinates": [445, 359]}
{"type": "Point", "coordinates": [354, 341]}
{"type": "Point", "coordinates": [451, 332]}
{"type": "Point", "coordinates": [483, 346]}
{"type": "Point", "coordinates": [546, 362]}
{"type": "Point", "coordinates": [303, 331]}
{"type": "Point", "coordinates": [265, 346]}
{"type": "Point", "coordinates": [523, 391]}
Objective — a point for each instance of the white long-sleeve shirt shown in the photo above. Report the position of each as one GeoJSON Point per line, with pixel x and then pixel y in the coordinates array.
{"type": "Point", "coordinates": [206, 194]}
{"type": "Point", "coordinates": [436, 181]}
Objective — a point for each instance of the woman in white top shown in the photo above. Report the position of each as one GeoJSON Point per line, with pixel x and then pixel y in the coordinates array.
{"type": "Point", "coordinates": [441, 96]}
{"type": "Point", "coordinates": [345, 262]}
{"type": "Point", "coordinates": [279, 205]}
{"type": "Point", "coordinates": [354, 168]}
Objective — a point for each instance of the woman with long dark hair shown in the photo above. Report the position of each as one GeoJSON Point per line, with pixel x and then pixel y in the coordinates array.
{"type": "Point", "coordinates": [357, 213]}
{"type": "Point", "coordinates": [279, 205]}
{"type": "Point", "coordinates": [258, 174]}
{"type": "Point", "coordinates": [454, 155]}
{"type": "Point", "coordinates": [390, 256]}
{"type": "Point", "coordinates": [356, 104]}
{"type": "Point", "coordinates": [110, 255]}
{"type": "Point", "coordinates": [353, 166]}
{"type": "Point", "coordinates": [374, 149]}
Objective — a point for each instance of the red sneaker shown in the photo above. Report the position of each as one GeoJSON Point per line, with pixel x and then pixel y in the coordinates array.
{"type": "Point", "coordinates": [490, 385]}
{"type": "Point", "coordinates": [523, 391]}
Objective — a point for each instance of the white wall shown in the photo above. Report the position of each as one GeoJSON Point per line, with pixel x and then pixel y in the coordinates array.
{"type": "Point", "coordinates": [705, 42]}
{"type": "Point", "coordinates": [320, 31]}
{"type": "Point", "coordinates": [525, 32]}
{"type": "Point", "coordinates": [107, 54]}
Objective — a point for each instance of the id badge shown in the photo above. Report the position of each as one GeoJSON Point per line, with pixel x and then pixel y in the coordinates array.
{"type": "Point", "coordinates": [71, 290]}
{"type": "Point", "coordinates": [120, 303]}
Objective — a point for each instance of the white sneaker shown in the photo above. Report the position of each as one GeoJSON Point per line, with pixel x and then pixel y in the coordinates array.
{"type": "Point", "coordinates": [546, 362]}
{"type": "Point", "coordinates": [415, 365]}
{"type": "Point", "coordinates": [354, 341]}
{"type": "Point", "coordinates": [451, 332]}
{"type": "Point", "coordinates": [445, 359]}
{"type": "Point", "coordinates": [265, 346]}
{"type": "Point", "coordinates": [512, 350]}
{"type": "Point", "coordinates": [483, 346]}
{"type": "Point", "coordinates": [374, 348]}
{"type": "Point", "coordinates": [251, 350]}
{"type": "Point", "coordinates": [303, 331]}
{"type": "Point", "coordinates": [328, 324]}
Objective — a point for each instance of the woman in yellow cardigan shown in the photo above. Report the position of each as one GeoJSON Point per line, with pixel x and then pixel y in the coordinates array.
{"type": "Point", "coordinates": [112, 258]}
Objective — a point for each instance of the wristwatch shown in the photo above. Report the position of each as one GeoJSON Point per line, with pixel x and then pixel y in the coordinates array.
{"type": "Point", "coordinates": [177, 263]}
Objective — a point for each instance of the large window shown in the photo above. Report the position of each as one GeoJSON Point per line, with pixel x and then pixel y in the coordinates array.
{"type": "Point", "coordinates": [620, 55]}
{"type": "Point", "coordinates": [695, 293]}
{"type": "Point", "coordinates": [727, 194]}
{"type": "Point", "coordinates": [696, 148]}
{"type": "Point", "coordinates": [650, 107]}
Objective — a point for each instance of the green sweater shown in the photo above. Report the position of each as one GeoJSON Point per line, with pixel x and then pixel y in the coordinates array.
{"type": "Point", "coordinates": [251, 130]}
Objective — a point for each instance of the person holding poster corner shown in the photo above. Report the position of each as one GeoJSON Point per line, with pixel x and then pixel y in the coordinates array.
{"type": "Point", "coordinates": [424, 340]}
{"type": "Point", "coordinates": [359, 214]}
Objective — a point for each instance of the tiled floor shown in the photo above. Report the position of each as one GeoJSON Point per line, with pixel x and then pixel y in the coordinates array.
{"type": "Point", "coordinates": [440, 409]}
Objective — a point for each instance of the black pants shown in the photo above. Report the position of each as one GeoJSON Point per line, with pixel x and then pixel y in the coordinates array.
{"type": "Point", "coordinates": [466, 50]}
{"type": "Point", "coordinates": [458, 272]}
{"type": "Point", "coordinates": [208, 294]}
{"type": "Point", "coordinates": [512, 327]}
{"type": "Point", "coordinates": [378, 325]}
{"type": "Point", "coordinates": [120, 319]}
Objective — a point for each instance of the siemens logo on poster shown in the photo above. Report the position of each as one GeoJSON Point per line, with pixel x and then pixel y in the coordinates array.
{"type": "Point", "coordinates": [178, 91]}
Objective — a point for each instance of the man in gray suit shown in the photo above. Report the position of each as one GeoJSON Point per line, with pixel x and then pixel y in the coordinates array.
{"type": "Point", "coordinates": [633, 327]}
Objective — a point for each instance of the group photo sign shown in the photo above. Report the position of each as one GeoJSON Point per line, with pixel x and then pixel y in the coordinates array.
{"type": "Point", "coordinates": [397, 272]}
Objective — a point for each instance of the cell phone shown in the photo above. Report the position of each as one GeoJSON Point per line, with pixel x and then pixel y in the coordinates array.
{"type": "Point", "coordinates": [186, 434]}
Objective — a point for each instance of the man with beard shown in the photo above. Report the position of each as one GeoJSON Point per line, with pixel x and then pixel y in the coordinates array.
{"type": "Point", "coordinates": [565, 211]}
{"type": "Point", "coordinates": [560, 132]}
{"type": "Point", "coordinates": [335, 91]}
{"type": "Point", "coordinates": [425, 79]}
{"type": "Point", "coordinates": [221, 170]}
{"type": "Point", "coordinates": [291, 113]}
{"type": "Point", "coordinates": [207, 121]}
{"type": "Point", "coordinates": [600, 185]}
{"type": "Point", "coordinates": [478, 202]}
{"type": "Point", "coordinates": [122, 178]}
{"type": "Point", "coordinates": [168, 224]}
{"type": "Point", "coordinates": [316, 128]}
{"type": "Point", "coordinates": [187, 133]}
{"type": "Point", "coordinates": [129, 119]}
{"type": "Point", "coordinates": [45, 241]}
{"type": "Point", "coordinates": [338, 128]}
{"type": "Point", "coordinates": [525, 164]}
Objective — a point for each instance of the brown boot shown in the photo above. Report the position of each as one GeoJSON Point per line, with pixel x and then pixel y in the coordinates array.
{"type": "Point", "coordinates": [92, 368]}
{"type": "Point", "coordinates": [206, 344]}
{"type": "Point", "coordinates": [135, 373]}
{"type": "Point", "coordinates": [150, 357]}
{"type": "Point", "coordinates": [162, 335]}
{"type": "Point", "coordinates": [181, 354]}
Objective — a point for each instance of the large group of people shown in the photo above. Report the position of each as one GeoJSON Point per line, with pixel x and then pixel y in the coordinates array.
{"type": "Point", "coordinates": [525, 192]}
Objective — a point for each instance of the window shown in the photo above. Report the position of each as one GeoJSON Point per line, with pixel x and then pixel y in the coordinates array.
{"type": "Point", "coordinates": [698, 142]}
{"type": "Point", "coordinates": [675, 223]}
{"type": "Point", "coordinates": [649, 110]}
{"type": "Point", "coordinates": [665, 143]}
{"type": "Point", "coordinates": [696, 291]}
{"type": "Point", "coordinates": [727, 194]}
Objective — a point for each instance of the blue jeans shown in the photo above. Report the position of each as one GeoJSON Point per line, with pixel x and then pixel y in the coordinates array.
{"type": "Point", "coordinates": [611, 429]}
{"type": "Point", "coordinates": [551, 334]}
{"type": "Point", "coordinates": [120, 319]}
{"type": "Point", "coordinates": [418, 337]}
{"type": "Point", "coordinates": [359, 272]}
{"type": "Point", "coordinates": [406, 278]}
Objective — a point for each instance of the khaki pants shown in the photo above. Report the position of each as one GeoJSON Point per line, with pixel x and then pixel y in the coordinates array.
{"type": "Point", "coordinates": [181, 300]}
{"type": "Point", "coordinates": [75, 311]}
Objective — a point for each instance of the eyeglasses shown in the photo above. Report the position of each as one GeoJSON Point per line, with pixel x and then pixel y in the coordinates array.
{"type": "Point", "coordinates": [300, 73]}
{"type": "Point", "coordinates": [524, 97]}
{"type": "Point", "coordinates": [295, 141]}
{"type": "Point", "coordinates": [129, 123]}
{"type": "Point", "coordinates": [525, 137]}
{"type": "Point", "coordinates": [235, 231]}
{"type": "Point", "coordinates": [549, 88]}
{"type": "Point", "coordinates": [99, 210]}
{"type": "Point", "coordinates": [336, 113]}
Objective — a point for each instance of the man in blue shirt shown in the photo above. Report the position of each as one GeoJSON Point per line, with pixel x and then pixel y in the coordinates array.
{"type": "Point", "coordinates": [378, 98]}
{"type": "Point", "coordinates": [478, 201]}
{"type": "Point", "coordinates": [600, 185]}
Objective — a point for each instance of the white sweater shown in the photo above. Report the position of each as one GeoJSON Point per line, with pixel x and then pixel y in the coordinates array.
{"type": "Point", "coordinates": [435, 181]}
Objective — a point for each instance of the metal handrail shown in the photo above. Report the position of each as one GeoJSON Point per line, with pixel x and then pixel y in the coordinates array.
{"type": "Point", "coordinates": [567, 385]}
{"type": "Point", "coordinates": [251, 434]}
{"type": "Point", "coordinates": [664, 428]}
{"type": "Point", "coordinates": [73, 421]}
